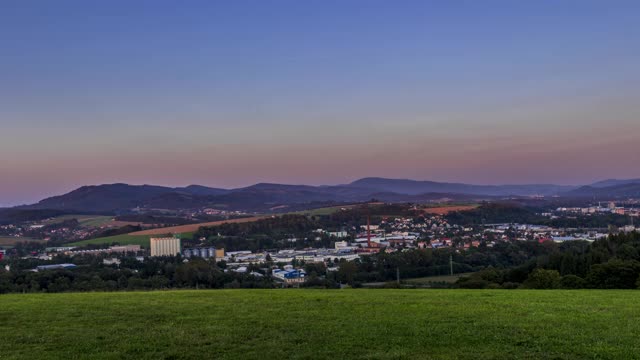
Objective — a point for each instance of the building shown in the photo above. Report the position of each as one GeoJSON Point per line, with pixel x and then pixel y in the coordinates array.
{"type": "Point", "coordinates": [125, 248]}
{"type": "Point", "coordinates": [290, 276]}
{"type": "Point", "coordinates": [338, 234]}
{"type": "Point", "coordinates": [205, 252]}
{"type": "Point", "coordinates": [55, 267]}
{"type": "Point", "coordinates": [113, 249]}
{"type": "Point", "coordinates": [165, 246]}
{"type": "Point", "coordinates": [340, 245]}
{"type": "Point", "coordinates": [112, 261]}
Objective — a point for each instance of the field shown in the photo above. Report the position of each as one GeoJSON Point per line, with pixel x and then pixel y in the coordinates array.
{"type": "Point", "coordinates": [323, 324]}
{"type": "Point", "coordinates": [444, 210]}
{"type": "Point", "coordinates": [192, 227]}
{"type": "Point", "coordinates": [125, 239]}
{"type": "Point", "coordinates": [324, 211]}
{"type": "Point", "coordinates": [89, 221]}
{"type": "Point", "coordinates": [11, 241]}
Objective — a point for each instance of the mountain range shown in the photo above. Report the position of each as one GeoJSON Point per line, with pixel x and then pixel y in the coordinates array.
{"type": "Point", "coordinates": [265, 196]}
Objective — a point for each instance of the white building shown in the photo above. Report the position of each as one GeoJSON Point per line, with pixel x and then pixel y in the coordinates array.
{"type": "Point", "coordinates": [165, 246]}
{"type": "Point", "coordinates": [341, 245]}
{"type": "Point", "coordinates": [339, 234]}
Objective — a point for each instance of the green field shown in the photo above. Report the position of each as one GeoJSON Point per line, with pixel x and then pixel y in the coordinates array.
{"type": "Point", "coordinates": [323, 324]}
{"type": "Point", "coordinates": [322, 211]}
{"type": "Point", "coordinates": [125, 239]}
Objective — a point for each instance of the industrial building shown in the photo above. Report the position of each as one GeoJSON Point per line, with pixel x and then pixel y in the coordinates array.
{"type": "Point", "coordinates": [113, 249]}
{"type": "Point", "coordinates": [168, 246]}
{"type": "Point", "coordinates": [290, 275]}
{"type": "Point", "coordinates": [55, 267]}
{"type": "Point", "coordinates": [204, 252]}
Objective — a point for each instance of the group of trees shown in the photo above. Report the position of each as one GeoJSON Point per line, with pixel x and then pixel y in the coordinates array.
{"type": "Point", "coordinates": [153, 273]}
{"type": "Point", "coordinates": [270, 233]}
{"type": "Point", "coordinates": [610, 263]}
{"type": "Point", "coordinates": [415, 263]}
{"type": "Point", "coordinates": [508, 212]}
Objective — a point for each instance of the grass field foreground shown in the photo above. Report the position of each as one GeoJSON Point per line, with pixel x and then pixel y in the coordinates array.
{"type": "Point", "coordinates": [323, 324]}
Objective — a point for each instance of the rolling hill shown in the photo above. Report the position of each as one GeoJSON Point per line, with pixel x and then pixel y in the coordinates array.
{"type": "Point", "coordinates": [623, 191]}
{"type": "Point", "coordinates": [614, 182]}
{"type": "Point", "coordinates": [265, 197]}
{"type": "Point", "coordinates": [414, 187]}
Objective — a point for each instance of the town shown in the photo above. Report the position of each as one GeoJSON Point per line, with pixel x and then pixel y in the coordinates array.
{"type": "Point", "coordinates": [287, 258]}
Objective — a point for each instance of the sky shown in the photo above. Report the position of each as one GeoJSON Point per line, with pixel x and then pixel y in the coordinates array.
{"type": "Point", "coordinates": [232, 93]}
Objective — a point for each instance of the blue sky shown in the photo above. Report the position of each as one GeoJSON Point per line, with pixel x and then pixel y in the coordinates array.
{"type": "Point", "coordinates": [319, 92]}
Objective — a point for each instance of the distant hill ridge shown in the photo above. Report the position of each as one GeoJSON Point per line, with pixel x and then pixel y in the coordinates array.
{"type": "Point", "coordinates": [414, 187]}
{"type": "Point", "coordinates": [622, 191]}
{"type": "Point", "coordinates": [121, 197]}
{"type": "Point", "coordinates": [614, 182]}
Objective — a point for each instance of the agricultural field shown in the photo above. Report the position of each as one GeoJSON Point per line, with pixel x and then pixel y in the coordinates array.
{"type": "Point", "coordinates": [190, 228]}
{"type": "Point", "coordinates": [90, 221]}
{"type": "Point", "coordinates": [323, 324]}
{"type": "Point", "coordinates": [11, 240]}
{"type": "Point", "coordinates": [323, 211]}
{"type": "Point", "coordinates": [446, 209]}
{"type": "Point", "coordinates": [125, 239]}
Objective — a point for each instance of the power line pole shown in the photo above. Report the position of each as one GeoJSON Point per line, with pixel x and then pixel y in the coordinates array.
{"type": "Point", "coordinates": [451, 263]}
{"type": "Point", "coordinates": [398, 275]}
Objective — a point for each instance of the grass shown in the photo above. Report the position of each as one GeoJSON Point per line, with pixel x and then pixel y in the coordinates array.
{"type": "Point", "coordinates": [125, 239]}
{"type": "Point", "coordinates": [322, 211]}
{"type": "Point", "coordinates": [323, 324]}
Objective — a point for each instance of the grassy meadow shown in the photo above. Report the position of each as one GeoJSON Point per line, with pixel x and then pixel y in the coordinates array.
{"type": "Point", "coordinates": [323, 324]}
{"type": "Point", "coordinates": [322, 211]}
{"type": "Point", "coordinates": [125, 239]}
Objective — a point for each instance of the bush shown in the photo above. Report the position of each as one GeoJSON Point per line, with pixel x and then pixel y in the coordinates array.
{"type": "Point", "coordinates": [572, 282]}
{"type": "Point", "coordinates": [510, 285]}
{"type": "Point", "coordinates": [543, 279]}
{"type": "Point", "coordinates": [472, 283]}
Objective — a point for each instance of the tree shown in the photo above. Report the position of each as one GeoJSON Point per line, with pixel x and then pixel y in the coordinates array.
{"type": "Point", "coordinates": [543, 279]}
{"type": "Point", "coordinates": [614, 274]}
{"type": "Point", "coordinates": [346, 272]}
